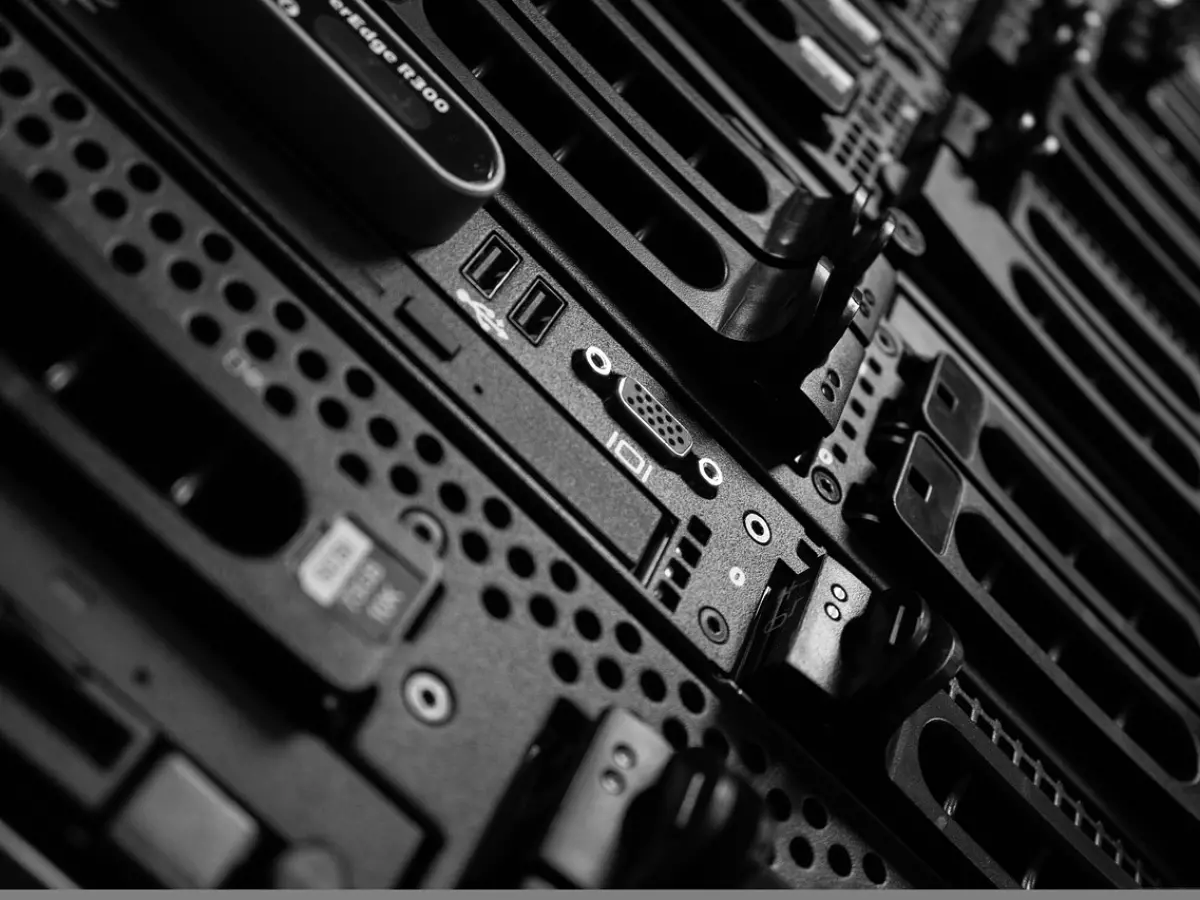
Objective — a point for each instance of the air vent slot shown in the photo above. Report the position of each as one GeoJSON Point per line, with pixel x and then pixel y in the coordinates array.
{"type": "Point", "coordinates": [1058, 789]}
{"type": "Point", "coordinates": [110, 379]}
{"type": "Point", "coordinates": [1144, 608]}
{"type": "Point", "coordinates": [1102, 300]}
{"type": "Point", "coordinates": [579, 144]}
{"type": "Point", "coordinates": [994, 816]}
{"type": "Point", "coordinates": [1092, 366]}
{"type": "Point", "coordinates": [1095, 669]}
{"type": "Point", "coordinates": [652, 95]}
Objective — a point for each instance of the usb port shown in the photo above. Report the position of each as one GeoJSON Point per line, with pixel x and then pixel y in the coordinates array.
{"type": "Point", "coordinates": [491, 265]}
{"type": "Point", "coordinates": [536, 312]}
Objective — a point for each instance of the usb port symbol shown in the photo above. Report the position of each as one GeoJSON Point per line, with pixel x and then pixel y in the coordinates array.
{"type": "Point", "coordinates": [536, 312]}
{"type": "Point", "coordinates": [490, 265]}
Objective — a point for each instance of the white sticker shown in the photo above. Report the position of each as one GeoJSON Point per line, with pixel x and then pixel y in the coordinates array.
{"type": "Point", "coordinates": [854, 19]}
{"type": "Point", "coordinates": [331, 563]}
{"type": "Point", "coordinates": [834, 72]}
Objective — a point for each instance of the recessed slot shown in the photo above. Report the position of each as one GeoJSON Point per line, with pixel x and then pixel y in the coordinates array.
{"type": "Point", "coordinates": [1096, 371]}
{"type": "Point", "coordinates": [1054, 627]}
{"type": "Point", "coordinates": [490, 265]}
{"type": "Point", "coordinates": [1125, 324]}
{"type": "Point", "coordinates": [537, 312]}
{"type": "Point", "coordinates": [1112, 577]}
{"type": "Point", "coordinates": [151, 415]}
{"type": "Point", "coordinates": [666, 109]}
{"type": "Point", "coordinates": [920, 484]}
{"type": "Point", "coordinates": [947, 398]}
{"type": "Point", "coordinates": [579, 144]}
{"type": "Point", "coordinates": [39, 680]}
{"type": "Point", "coordinates": [994, 816]}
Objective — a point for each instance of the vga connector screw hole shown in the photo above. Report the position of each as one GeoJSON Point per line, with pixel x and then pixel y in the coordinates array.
{"type": "Point", "coordinates": [428, 697]}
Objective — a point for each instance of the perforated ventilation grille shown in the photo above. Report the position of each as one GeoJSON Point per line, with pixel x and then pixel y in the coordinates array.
{"type": "Point", "coordinates": [1053, 784]}
{"type": "Point", "coordinates": [213, 288]}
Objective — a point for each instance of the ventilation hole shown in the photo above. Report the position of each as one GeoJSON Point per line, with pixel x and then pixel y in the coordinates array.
{"type": "Point", "coordinates": [628, 637]}
{"type": "Point", "coordinates": [801, 852]}
{"type": "Point", "coordinates": [242, 297]}
{"type": "Point", "coordinates": [716, 743]}
{"type": "Point", "coordinates": [692, 697]}
{"type": "Point", "coordinates": [565, 667]}
{"type": "Point", "coordinates": [874, 868]}
{"type": "Point", "coordinates": [360, 384]}
{"type": "Point", "coordinates": [753, 757]}
{"type": "Point", "coordinates": [814, 813]}
{"type": "Point", "coordinates": [404, 480]}
{"type": "Point", "coordinates": [778, 805]}
{"type": "Point", "coordinates": [857, 408]}
{"type": "Point", "coordinates": [609, 672]}
{"type": "Point", "coordinates": [839, 453]}
{"type": "Point", "coordinates": [166, 227]}
{"type": "Point", "coordinates": [495, 601]}
{"type": "Point", "coordinates": [217, 247]}
{"type": "Point", "coordinates": [34, 131]}
{"type": "Point", "coordinates": [260, 344]}
{"type": "Point", "coordinates": [90, 156]}
{"type": "Point", "coordinates": [280, 399]}
{"type": "Point", "coordinates": [144, 178]}
{"type": "Point", "coordinates": [563, 575]}
{"type": "Point", "coordinates": [839, 860]}
{"type": "Point", "coordinates": [543, 611]}
{"type": "Point", "coordinates": [127, 258]}
{"type": "Point", "coordinates": [333, 413]}
{"type": "Point", "coordinates": [69, 107]}
{"type": "Point", "coordinates": [312, 365]}
{"type": "Point", "coordinates": [15, 83]}
{"type": "Point", "coordinates": [50, 184]}
{"type": "Point", "coordinates": [497, 513]}
{"type": "Point", "coordinates": [355, 468]}
{"type": "Point", "coordinates": [204, 329]}
{"type": "Point", "coordinates": [453, 497]}
{"type": "Point", "coordinates": [289, 316]}
{"type": "Point", "coordinates": [849, 431]}
{"type": "Point", "coordinates": [430, 449]}
{"type": "Point", "coordinates": [187, 276]}
{"type": "Point", "coordinates": [475, 546]}
{"type": "Point", "coordinates": [109, 203]}
{"type": "Point", "coordinates": [587, 625]}
{"type": "Point", "coordinates": [652, 686]}
{"type": "Point", "coordinates": [675, 732]}
{"type": "Point", "coordinates": [383, 432]}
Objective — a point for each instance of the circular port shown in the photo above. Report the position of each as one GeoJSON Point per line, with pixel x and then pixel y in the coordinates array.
{"type": "Point", "coordinates": [428, 698]}
{"type": "Point", "coordinates": [598, 361]}
{"type": "Point", "coordinates": [427, 528]}
{"type": "Point", "coordinates": [713, 624]}
{"type": "Point", "coordinates": [710, 472]}
{"type": "Point", "coordinates": [757, 528]}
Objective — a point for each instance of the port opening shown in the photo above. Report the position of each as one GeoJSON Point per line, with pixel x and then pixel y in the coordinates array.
{"type": "Point", "coordinates": [490, 265]}
{"type": "Point", "coordinates": [536, 312]}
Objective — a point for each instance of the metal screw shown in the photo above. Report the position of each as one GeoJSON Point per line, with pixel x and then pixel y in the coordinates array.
{"type": "Point", "coordinates": [429, 698]}
{"type": "Point", "coordinates": [907, 236]}
{"type": "Point", "coordinates": [713, 624]}
{"type": "Point", "coordinates": [887, 343]}
{"type": "Point", "coordinates": [827, 485]}
{"type": "Point", "coordinates": [612, 781]}
{"type": "Point", "coordinates": [624, 756]}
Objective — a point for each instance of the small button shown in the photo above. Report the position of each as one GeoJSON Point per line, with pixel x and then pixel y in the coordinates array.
{"type": "Point", "coordinates": [182, 828]}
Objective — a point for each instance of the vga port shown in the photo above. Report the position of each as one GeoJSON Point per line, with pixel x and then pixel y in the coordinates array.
{"type": "Point", "coordinates": [644, 408]}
